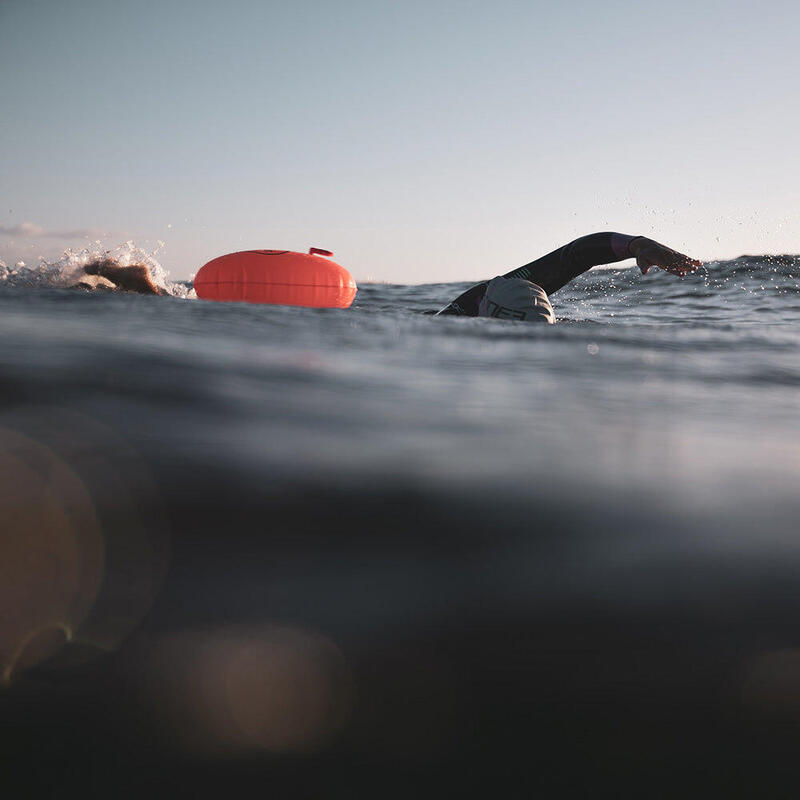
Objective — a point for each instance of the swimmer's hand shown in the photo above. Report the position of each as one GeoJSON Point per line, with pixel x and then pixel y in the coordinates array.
{"type": "Point", "coordinates": [649, 253]}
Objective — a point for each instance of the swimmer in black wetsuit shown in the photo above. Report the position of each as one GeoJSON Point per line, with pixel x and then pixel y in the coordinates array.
{"type": "Point", "coordinates": [523, 293]}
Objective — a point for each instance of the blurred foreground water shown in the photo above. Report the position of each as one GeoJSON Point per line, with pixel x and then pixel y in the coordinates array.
{"type": "Point", "coordinates": [360, 553]}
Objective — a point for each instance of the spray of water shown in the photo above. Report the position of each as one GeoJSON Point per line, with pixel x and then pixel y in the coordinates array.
{"type": "Point", "coordinates": [68, 270]}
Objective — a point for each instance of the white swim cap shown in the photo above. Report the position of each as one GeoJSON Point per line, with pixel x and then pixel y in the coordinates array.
{"type": "Point", "coordinates": [515, 298]}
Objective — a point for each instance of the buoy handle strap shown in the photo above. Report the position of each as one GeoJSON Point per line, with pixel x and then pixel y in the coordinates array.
{"type": "Point", "coordinates": [318, 251]}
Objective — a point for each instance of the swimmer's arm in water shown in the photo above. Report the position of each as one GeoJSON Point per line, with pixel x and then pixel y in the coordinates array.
{"type": "Point", "coordinates": [558, 268]}
{"type": "Point", "coordinates": [133, 278]}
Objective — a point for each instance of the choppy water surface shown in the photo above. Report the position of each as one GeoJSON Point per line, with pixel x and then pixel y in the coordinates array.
{"type": "Point", "coordinates": [565, 547]}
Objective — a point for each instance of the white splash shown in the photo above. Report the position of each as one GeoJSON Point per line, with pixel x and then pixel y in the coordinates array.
{"type": "Point", "coordinates": [67, 270]}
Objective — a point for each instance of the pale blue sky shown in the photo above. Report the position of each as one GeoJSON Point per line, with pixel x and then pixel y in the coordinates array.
{"type": "Point", "coordinates": [420, 141]}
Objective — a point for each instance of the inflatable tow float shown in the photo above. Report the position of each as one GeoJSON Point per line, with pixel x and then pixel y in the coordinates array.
{"type": "Point", "coordinates": [278, 277]}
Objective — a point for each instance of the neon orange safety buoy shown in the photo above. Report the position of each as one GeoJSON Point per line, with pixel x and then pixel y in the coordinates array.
{"type": "Point", "coordinates": [280, 277]}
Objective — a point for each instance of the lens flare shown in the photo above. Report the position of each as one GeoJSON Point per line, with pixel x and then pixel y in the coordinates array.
{"type": "Point", "coordinates": [84, 547]}
{"type": "Point", "coordinates": [239, 690]}
{"type": "Point", "coordinates": [51, 553]}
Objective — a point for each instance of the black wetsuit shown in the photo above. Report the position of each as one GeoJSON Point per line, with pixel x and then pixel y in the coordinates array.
{"type": "Point", "coordinates": [554, 270]}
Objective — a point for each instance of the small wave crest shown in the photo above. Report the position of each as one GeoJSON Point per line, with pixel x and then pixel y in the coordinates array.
{"type": "Point", "coordinates": [79, 269]}
{"type": "Point", "coordinates": [780, 264]}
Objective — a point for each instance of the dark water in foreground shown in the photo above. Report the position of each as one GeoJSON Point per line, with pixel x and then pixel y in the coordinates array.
{"type": "Point", "coordinates": [351, 553]}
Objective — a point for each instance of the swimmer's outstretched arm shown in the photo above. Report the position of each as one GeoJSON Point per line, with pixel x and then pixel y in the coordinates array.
{"type": "Point", "coordinates": [558, 268]}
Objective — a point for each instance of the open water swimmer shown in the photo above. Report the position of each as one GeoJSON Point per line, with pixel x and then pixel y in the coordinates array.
{"type": "Point", "coordinates": [522, 294]}
{"type": "Point", "coordinates": [131, 278]}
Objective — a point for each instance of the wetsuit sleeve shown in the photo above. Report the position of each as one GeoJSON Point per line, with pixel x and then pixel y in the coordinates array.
{"type": "Point", "coordinates": [554, 270]}
{"type": "Point", "coordinates": [558, 268]}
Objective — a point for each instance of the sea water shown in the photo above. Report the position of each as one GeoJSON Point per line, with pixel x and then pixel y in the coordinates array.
{"type": "Point", "coordinates": [568, 555]}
